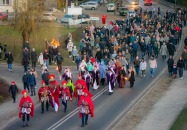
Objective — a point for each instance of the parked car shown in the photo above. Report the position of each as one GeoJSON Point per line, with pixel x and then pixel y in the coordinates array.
{"type": "Point", "coordinates": [67, 18]}
{"type": "Point", "coordinates": [123, 11]}
{"type": "Point", "coordinates": [3, 16]}
{"type": "Point", "coordinates": [84, 17]}
{"type": "Point", "coordinates": [132, 13]}
{"type": "Point", "coordinates": [48, 17]}
{"type": "Point", "coordinates": [110, 7]}
{"type": "Point", "coordinates": [89, 5]}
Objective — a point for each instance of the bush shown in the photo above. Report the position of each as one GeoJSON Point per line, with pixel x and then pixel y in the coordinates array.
{"type": "Point", "coordinates": [4, 87]}
{"type": "Point", "coordinates": [1, 99]}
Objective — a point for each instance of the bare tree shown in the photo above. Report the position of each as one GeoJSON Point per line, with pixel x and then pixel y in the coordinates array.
{"type": "Point", "coordinates": [28, 14]}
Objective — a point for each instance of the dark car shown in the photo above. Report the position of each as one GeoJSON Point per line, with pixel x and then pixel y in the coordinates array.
{"type": "Point", "coordinates": [123, 11]}
{"type": "Point", "coordinates": [85, 18]}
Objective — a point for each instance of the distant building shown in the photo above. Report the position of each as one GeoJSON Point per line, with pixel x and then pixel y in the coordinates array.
{"type": "Point", "coordinates": [6, 5]}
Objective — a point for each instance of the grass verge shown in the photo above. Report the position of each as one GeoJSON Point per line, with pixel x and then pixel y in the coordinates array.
{"type": "Point", "coordinates": [12, 38]}
{"type": "Point", "coordinates": [181, 121]}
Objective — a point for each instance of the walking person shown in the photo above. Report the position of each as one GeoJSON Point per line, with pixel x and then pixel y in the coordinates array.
{"type": "Point", "coordinates": [1, 51]}
{"type": "Point", "coordinates": [180, 66]}
{"type": "Point", "coordinates": [43, 95]}
{"type": "Point", "coordinates": [59, 60]}
{"type": "Point", "coordinates": [174, 71]}
{"type": "Point", "coordinates": [170, 63]}
{"type": "Point", "coordinates": [74, 53]}
{"type": "Point", "coordinates": [25, 81]}
{"type": "Point", "coordinates": [13, 89]}
{"type": "Point", "coordinates": [163, 51]}
{"type": "Point", "coordinates": [33, 58]}
{"type": "Point", "coordinates": [41, 60]}
{"type": "Point", "coordinates": [184, 57]}
{"type": "Point", "coordinates": [26, 108]}
{"type": "Point", "coordinates": [137, 65]}
{"type": "Point", "coordinates": [10, 60]}
{"type": "Point", "coordinates": [131, 76]}
{"type": "Point", "coordinates": [65, 93]}
{"type": "Point", "coordinates": [143, 66]}
{"type": "Point", "coordinates": [32, 83]}
{"type": "Point", "coordinates": [153, 65]}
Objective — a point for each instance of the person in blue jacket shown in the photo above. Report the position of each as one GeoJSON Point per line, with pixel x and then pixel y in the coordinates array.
{"type": "Point", "coordinates": [32, 83]}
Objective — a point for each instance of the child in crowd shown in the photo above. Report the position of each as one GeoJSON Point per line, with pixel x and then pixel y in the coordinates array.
{"type": "Point", "coordinates": [174, 71]}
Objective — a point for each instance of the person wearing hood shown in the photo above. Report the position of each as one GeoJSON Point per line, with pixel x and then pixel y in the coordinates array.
{"type": "Point", "coordinates": [95, 77]}
{"type": "Point", "coordinates": [110, 75]}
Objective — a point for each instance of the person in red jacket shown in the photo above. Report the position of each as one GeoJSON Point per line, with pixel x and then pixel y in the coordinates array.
{"type": "Point", "coordinates": [86, 108]}
{"type": "Point", "coordinates": [65, 95]}
{"type": "Point", "coordinates": [26, 108]}
{"type": "Point", "coordinates": [54, 91]}
{"type": "Point", "coordinates": [43, 94]}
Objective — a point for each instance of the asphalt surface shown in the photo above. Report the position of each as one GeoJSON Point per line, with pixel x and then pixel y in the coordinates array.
{"type": "Point", "coordinates": [107, 108]}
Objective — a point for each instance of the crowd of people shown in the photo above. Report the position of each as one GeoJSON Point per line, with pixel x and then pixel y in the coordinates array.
{"type": "Point", "coordinates": [104, 58]}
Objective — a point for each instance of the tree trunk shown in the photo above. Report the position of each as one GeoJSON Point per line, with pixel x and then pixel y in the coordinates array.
{"type": "Point", "coordinates": [25, 36]}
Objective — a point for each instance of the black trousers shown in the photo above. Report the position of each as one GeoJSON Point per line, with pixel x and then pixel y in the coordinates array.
{"type": "Point", "coordinates": [65, 103]}
{"type": "Point", "coordinates": [46, 104]}
{"type": "Point", "coordinates": [33, 65]}
{"type": "Point", "coordinates": [14, 97]}
{"type": "Point", "coordinates": [25, 116]}
{"type": "Point", "coordinates": [26, 86]}
{"type": "Point", "coordinates": [84, 118]}
{"type": "Point", "coordinates": [59, 66]}
{"type": "Point", "coordinates": [103, 81]}
{"type": "Point", "coordinates": [131, 83]}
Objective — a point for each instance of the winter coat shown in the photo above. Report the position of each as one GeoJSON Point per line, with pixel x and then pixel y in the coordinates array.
{"type": "Point", "coordinates": [184, 55]}
{"type": "Point", "coordinates": [13, 89]}
{"type": "Point", "coordinates": [74, 52]}
{"type": "Point", "coordinates": [33, 56]}
{"type": "Point", "coordinates": [10, 59]}
{"type": "Point", "coordinates": [32, 80]}
{"type": "Point", "coordinates": [89, 66]}
{"type": "Point", "coordinates": [92, 40]}
{"type": "Point", "coordinates": [102, 70]}
{"type": "Point", "coordinates": [170, 62]}
{"type": "Point", "coordinates": [70, 46]}
{"type": "Point", "coordinates": [153, 63]}
{"type": "Point", "coordinates": [163, 50]}
{"type": "Point", "coordinates": [25, 78]}
{"type": "Point", "coordinates": [143, 65]}
{"type": "Point", "coordinates": [171, 49]}
{"type": "Point", "coordinates": [41, 60]}
{"type": "Point", "coordinates": [180, 63]}
{"type": "Point", "coordinates": [45, 77]}
{"type": "Point", "coordinates": [45, 55]}
{"type": "Point", "coordinates": [59, 59]}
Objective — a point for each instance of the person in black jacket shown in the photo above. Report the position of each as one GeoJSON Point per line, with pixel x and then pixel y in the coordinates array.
{"type": "Point", "coordinates": [171, 49]}
{"type": "Point", "coordinates": [10, 60]}
{"type": "Point", "coordinates": [98, 55]}
{"type": "Point", "coordinates": [180, 66]}
{"type": "Point", "coordinates": [45, 76]}
{"type": "Point", "coordinates": [25, 81]}
{"type": "Point", "coordinates": [33, 58]}
{"type": "Point", "coordinates": [59, 60]}
{"type": "Point", "coordinates": [170, 63]}
{"type": "Point", "coordinates": [13, 90]}
{"type": "Point", "coordinates": [1, 51]}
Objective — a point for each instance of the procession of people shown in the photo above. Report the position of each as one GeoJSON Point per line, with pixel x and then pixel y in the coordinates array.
{"type": "Point", "coordinates": [106, 58]}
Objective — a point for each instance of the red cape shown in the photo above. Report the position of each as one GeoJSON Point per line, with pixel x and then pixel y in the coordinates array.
{"type": "Point", "coordinates": [41, 90]}
{"type": "Point", "coordinates": [22, 100]}
{"type": "Point", "coordinates": [55, 94]}
{"type": "Point", "coordinates": [85, 88]}
{"type": "Point", "coordinates": [88, 99]}
{"type": "Point", "coordinates": [65, 90]}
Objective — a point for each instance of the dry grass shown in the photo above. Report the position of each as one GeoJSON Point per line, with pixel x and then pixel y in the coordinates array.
{"type": "Point", "coordinates": [12, 38]}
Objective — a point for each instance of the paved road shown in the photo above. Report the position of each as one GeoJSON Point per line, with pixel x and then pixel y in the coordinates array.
{"type": "Point", "coordinates": [107, 108]}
